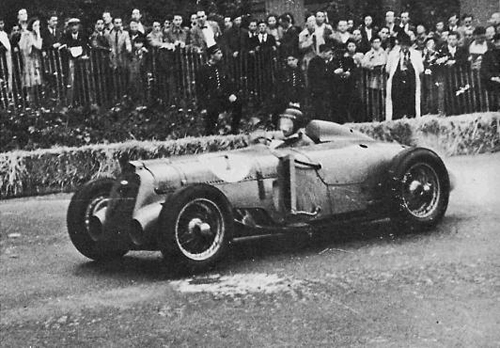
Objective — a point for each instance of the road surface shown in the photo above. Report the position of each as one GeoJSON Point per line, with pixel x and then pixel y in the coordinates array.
{"type": "Point", "coordinates": [357, 287]}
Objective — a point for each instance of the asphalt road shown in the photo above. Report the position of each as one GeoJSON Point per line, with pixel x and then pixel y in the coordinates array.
{"type": "Point", "coordinates": [361, 286]}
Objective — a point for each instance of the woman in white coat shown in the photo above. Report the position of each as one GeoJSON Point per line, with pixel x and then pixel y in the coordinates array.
{"type": "Point", "coordinates": [404, 66]}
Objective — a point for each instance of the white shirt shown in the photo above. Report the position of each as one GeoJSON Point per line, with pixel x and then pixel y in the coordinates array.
{"type": "Point", "coordinates": [141, 28]}
{"type": "Point", "coordinates": [320, 35]}
{"type": "Point", "coordinates": [4, 39]}
{"type": "Point", "coordinates": [452, 51]}
{"type": "Point", "coordinates": [345, 36]}
{"type": "Point", "coordinates": [209, 35]}
{"type": "Point", "coordinates": [369, 33]}
{"type": "Point", "coordinates": [262, 38]}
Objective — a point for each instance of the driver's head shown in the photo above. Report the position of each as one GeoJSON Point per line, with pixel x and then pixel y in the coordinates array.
{"type": "Point", "coordinates": [290, 121]}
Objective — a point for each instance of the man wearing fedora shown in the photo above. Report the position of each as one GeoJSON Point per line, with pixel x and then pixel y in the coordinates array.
{"type": "Point", "coordinates": [216, 93]}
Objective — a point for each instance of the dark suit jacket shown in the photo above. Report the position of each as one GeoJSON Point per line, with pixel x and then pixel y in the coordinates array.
{"type": "Point", "coordinates": [490, 67]}
{"type": "Point", "coordinates": [49, 39]}
{"type": "Point", "coordinates": [461, 55]}
{"type": "Point", "coordinates": [265, 46]}
{"type": "Point", "coordinates": [67, 39]}
{"type": "Point", "coordinates": [233, 39]}
{"type": "Point", "coordinates": [138, 34]}
{"type": "Point", "coordinates": [249, 43]}
{"type": "Point", "coordinates": [321, 75]}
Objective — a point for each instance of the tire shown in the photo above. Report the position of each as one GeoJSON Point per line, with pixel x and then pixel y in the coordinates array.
{"type": "Point", "coordinates": [420, 190]}
{"type": "Point", "coordinates": [196, 227]}
{"type": "Point", "coordinates": [84, 203]}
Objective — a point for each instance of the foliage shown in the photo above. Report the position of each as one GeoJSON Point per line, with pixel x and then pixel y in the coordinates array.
{"type": "Point", "coordinates": [430, 12]}
{"type": "Point", "coordinates": [43, 128]}
{"type": "Point", "coordinates": [354, 9]}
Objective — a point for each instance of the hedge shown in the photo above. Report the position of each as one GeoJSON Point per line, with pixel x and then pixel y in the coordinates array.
{"type": "Point", "coordinates": [63, 169]}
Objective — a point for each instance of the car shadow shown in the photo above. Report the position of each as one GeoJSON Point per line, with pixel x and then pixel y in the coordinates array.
{"type": "Point", "coordinates": [150, 266]}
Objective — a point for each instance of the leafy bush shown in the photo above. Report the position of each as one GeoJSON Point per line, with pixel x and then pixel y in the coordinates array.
{"type": "Point", "coordinates": [30, 130]}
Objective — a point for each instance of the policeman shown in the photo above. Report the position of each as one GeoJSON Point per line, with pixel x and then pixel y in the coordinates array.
{"type": "Point", "coordinates": [216, 93]}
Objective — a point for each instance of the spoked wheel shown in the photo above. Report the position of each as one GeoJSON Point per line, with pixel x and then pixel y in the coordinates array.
{"type": "Point", "coordinates": [420, 190]}
{"type": "Point", "coordinates": [196, 226]}
{"type": "Point", "coordinates": [90, 199]}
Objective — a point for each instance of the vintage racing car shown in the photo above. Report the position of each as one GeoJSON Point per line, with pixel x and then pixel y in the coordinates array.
{"type": "Point", "coordinates": [192, 207]}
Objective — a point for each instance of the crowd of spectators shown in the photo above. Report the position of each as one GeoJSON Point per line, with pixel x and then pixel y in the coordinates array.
{"type": "Point", "coordinates": [320, 63]}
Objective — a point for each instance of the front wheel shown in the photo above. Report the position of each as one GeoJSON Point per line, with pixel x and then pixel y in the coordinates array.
{"type": "Point", "coordinates": [420, 190]}
{"type": "Point", "coordinates": [196, 226]}
{"type": "Point", "coordinates": [87, 201]}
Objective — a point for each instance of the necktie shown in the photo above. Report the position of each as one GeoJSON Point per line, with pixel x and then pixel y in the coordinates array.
{"type": "Point", "coordinates": [116, 41]}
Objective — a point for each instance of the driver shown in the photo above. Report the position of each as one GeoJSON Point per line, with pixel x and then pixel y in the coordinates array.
{"type": "Point", "coordinates": [290, 122]}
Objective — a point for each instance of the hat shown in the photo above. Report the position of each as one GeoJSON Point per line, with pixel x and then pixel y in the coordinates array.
{"type": "Point", "coordinates": [212, 49]}
{"type": "Point", "coordinates": [292, 113]}
{"type": "Point", "coordinates": [72, 21]}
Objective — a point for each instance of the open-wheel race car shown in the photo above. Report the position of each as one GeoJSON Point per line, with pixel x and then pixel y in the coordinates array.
{"type": "Point", "coordinates": [192, 207]}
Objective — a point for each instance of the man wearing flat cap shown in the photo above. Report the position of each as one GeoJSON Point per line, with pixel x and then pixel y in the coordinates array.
{"type": "Point", "coordinates": [76, 47]}
{"type": "Point", "coordinates": [216, 93]}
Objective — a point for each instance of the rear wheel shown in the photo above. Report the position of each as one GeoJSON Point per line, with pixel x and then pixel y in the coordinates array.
{"type": "Point", "coordinates": [87, 201]}
{"type": "Point", "coordinates": [196, 226]}
{"type": "Point", "coordinates": [420, 190]}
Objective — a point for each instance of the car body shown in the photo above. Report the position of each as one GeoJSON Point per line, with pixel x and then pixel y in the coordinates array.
{"type": "Point", "coordinates": [192, 207]}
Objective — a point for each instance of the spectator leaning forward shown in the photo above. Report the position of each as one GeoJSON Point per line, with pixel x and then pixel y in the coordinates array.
{"type": "Point", "coordinates": [206, 33]}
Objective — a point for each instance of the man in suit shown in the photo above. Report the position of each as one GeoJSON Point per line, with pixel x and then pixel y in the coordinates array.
{"type": "Point", "coordinates": [134, 31]}
{"type": "Point", "coordinates": [405, 24]}
{"type": "Point", "coordinates": [490, 72]}
{"type": "Point", "coordinates": [320, 75]}
{"type": "Point", "coordinates": [390, 23]}
{"type": "Point", "coordinates": [216, 93]}
{"type": "Point", "coordinates": [264, 42]}
{"type": "Point", "coordinates": [76, 47]}
{"type": "Point", "coordinates": [137, 17]}
{"type": "Point", "coordinates": [233, 37]}
{"type": "Point", "coordinates": [404, 66]}
{"type": "Point", "coordinates": [368, 31]}
{"type": "Point", "coordinates": [119, 44]}
{"type": "Point", "coordinates": [206, 33]}
{"type": "Point", "coordinates": [74, 40]}
{"type": "Point", "coordinates": [265, 49]}
{"type": "Point", "coordinates": [51, 35]}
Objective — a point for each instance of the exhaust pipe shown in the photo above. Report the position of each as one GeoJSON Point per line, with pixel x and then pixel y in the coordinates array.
{"type": "Point", "coordinates": [96, 223]}
{"type": "Point", "coordinates": [143, 223]}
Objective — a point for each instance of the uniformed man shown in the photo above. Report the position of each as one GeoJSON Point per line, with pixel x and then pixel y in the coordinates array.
{"type": "Point", "coordinates": [291, 86]}
{"type": "Point", "coordinates": [215, 92]}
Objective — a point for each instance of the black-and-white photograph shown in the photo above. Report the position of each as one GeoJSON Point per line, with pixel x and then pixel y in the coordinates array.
{"type": "Point", "coordinates": [249, 173]}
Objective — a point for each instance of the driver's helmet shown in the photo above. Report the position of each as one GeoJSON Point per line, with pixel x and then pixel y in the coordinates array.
{"type": "Point", "coordinates": [290, 120]}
